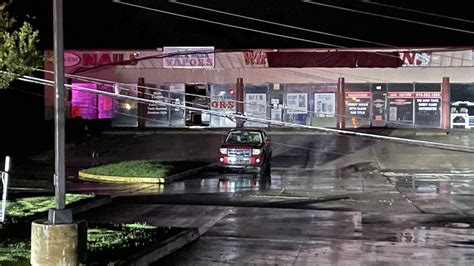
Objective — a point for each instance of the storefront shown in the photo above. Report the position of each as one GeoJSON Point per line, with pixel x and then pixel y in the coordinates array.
{"type": "Point", "coordinates": [376, 95]}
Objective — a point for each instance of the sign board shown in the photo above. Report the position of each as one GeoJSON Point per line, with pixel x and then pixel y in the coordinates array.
{"type": "Point", "coordinates": [255, 106]}
{"type": "Point", "coordinates": [188, 57]}
{"type": "Point", "coordinates": [297, 103]}
{"type": "Point", "coordinates": [324, 104]}
{"type": "Point", "coordinates": [412, 59]}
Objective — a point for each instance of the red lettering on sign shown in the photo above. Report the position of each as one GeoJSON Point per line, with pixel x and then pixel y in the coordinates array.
{"type": "Point", "coordinates": [89, 59]}
{"type": "Point", "coordinates": [255, 58]}
{"type": "Point", "coordinates": [408, 58]}
{"type": "Point", "coordinates": [104, 59]}
{"type": "Point", "coordinates": [223, 104]}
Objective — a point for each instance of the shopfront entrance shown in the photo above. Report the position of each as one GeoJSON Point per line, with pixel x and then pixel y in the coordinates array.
{"type": "Point", "coordinates": [196, 97]}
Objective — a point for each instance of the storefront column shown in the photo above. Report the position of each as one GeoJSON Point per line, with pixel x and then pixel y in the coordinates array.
{"type": "Point", "coordinates": [445, 98]}
{"type": "Point", "coordinates": [240, 98]}
{"type": "Point", "coordinates": [341, 105]}
{"type": "Point", "coordinates": [141, 106]}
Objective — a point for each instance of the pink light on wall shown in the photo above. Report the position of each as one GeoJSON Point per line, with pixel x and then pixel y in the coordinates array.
{"type": "Point", "coordinates": [105, 103]}
{"type": "Point", "coordinates": [84, 103]}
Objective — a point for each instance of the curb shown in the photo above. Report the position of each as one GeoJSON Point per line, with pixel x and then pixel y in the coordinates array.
{"type": "Point", "coordinates": [120, 179]}
{"type": "Point", "coordinates": [129, 179]}
{"type": "Point", "coordinates": [160, 250]}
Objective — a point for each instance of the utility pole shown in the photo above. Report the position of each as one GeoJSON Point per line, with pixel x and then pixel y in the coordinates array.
{"type": "Point", "coordinates": [60, 214]}
{"type": "Point", "coordinates": [57, 241]}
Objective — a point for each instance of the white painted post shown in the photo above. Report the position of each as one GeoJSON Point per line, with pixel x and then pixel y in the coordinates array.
{"type": "Point", "coordinates": [5, 188]}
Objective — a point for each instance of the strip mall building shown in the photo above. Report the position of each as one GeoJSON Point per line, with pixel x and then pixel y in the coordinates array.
{"type": "Point", "coordinates": [343, 88]}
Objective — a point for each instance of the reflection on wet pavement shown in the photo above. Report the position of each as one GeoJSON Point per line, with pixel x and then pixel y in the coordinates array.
{"type": "Point", "coordinates": [238, 182]}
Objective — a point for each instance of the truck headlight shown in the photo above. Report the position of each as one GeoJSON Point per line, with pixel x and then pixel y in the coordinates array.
{"type": "Point", "coordinates": [256, 151]}
{"type": "Point", "coordinates": [223, 150]}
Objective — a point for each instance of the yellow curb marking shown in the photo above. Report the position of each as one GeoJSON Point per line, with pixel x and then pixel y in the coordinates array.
{"type": "Point", "coordinates": [120, 179]}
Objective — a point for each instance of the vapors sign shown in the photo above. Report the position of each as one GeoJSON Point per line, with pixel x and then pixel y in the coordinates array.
{"type": "Point", "coordinates": [188, 57]}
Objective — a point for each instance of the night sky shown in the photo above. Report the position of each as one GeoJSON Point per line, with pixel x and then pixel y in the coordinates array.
{"type": "Point", "coordinates": [90, 24]}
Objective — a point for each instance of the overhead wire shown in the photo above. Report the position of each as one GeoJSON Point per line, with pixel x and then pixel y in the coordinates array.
{"type": "Point", "coordinates": [299, 28]}
{"type": "Point", "coordinates": [264, 32]}
{"type": "Point", "coordinates": [225, 24]}
{"type": "Point", "coordinates": [386, 17]}
{"type": "Point", "coordinates": [208, 130]}
{"type": "Point", "coordinates": [370, 2]}
{"type": "Point", "coordinates": [292, 27]}
{"type": "Point", "coordinates": [268, 121]}
{"type": "Point", "coordinates": [110, 83]}
{"type": "Point", "coordinates": [158, 10]}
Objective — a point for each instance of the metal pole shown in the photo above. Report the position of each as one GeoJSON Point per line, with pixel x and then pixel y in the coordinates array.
{"type": "Point", "coordinates": [341, 104]}
{"type": "Point", "coordinates": [58, 215]}
{"type": "Point", "coordinates": [239, 109]}
{"type": "Point", "coordinates": [59, 105]}
{"type": "Point", "coordinates": [445, 98]}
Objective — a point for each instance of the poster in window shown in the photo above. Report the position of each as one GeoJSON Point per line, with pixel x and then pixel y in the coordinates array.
{"type": "Point", "coordinates": [297, 103]}
{"type": "Point", "coordinates": [324, 104]}
{"type": "Point", "coordinates": [255, 106]}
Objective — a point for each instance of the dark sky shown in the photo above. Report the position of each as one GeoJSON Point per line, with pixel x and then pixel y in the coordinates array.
{"type": "Point", "coordinates": [104, 24]}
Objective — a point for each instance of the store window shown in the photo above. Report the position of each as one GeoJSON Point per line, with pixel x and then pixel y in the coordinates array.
{"type": "Point", "coordinates": [358, 105]}
{"type": "Point", "coordinates": [462, 105]}
{"type": "Point", "coordinates": [125, 111]}
{"type": "Point", "coordinates": [156, 114]}
{"type": "Point", "coordinates": [256, 103]}
{"type": "Point", "coordinates": [428, 104]}
{"type": "Point", "coordinates": [400, 104]}
{"type": "Point", "coordinates": [223, 101]}
{"type": "Point", "coordinates": [177, 110]}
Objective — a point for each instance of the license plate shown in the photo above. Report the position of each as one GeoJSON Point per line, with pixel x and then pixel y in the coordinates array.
{"type": "Point", "coordinates": [238, 161]}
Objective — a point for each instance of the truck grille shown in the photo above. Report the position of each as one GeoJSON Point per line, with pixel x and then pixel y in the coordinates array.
{"type": "Point", "coordinates": [239, 152]}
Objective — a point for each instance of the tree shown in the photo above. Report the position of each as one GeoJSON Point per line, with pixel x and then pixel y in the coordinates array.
{"type": "Point", "coordinates": [18, 53]}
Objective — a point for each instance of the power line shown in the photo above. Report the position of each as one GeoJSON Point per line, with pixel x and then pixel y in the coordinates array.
{"type": "Point", "coordinates": [387, 17]}
{"type": "Point", "coordinates": [417, 11]}
{"type": "Point", "coordinates": [110, 83]}
{"type": "Point", "coordinates": [265, 32]}
{"type": "Point", "coordinates": [167, 123]}
{"type": "Point", "coordinates": [226, 24]}
{"type": "Point", "coordinates": [300, 28]}
{"type": "Point", "coordinates": [263, 120]}
{"type": "Point", "coordinates": [277, 24]}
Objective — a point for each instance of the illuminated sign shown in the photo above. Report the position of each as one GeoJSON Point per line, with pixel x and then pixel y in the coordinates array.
{"type": "Point", "coordinates": [223, 104]}
{"type": "Point", "coordinates": [94, 59]}
{"type": "Point", "coordinates": [188, 57]}
{"type": "Point", "coordinates": [71, 59]}
{"type": "Point", "coordinates": [255, 57]}
{"type": "Point", "coordinates": [358, 94]}
{"type": "Point", "coordinates": [411, 59]}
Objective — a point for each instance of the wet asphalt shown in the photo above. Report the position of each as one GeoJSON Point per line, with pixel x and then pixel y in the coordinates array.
{"type": "Point", "coordinates": [330, 199]}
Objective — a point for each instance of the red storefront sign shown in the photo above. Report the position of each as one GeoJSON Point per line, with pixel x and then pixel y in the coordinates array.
{"type": "Point", "coordinates": [255, 58]}
{"type": "Point", "coordinates": [95, 59]}
{"type": "Point", "coordinates": [358, 94]}
{"type": "Point", "coordinates": [400, 94]}
{"type": "Point", "coordinates": [427, 94]}
{"type": "Point", "coordinates": [430, 94]}
{"type": "Point", "coordinates": [223, 104]}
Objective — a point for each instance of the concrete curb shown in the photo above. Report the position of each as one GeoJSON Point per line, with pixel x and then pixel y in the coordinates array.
{"type": "Point", "coordinates": [129, 179]}
{"type": "Point", "coordinates": [160, 250]}
{"type": "Point", "coordinates": [120, 179]}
